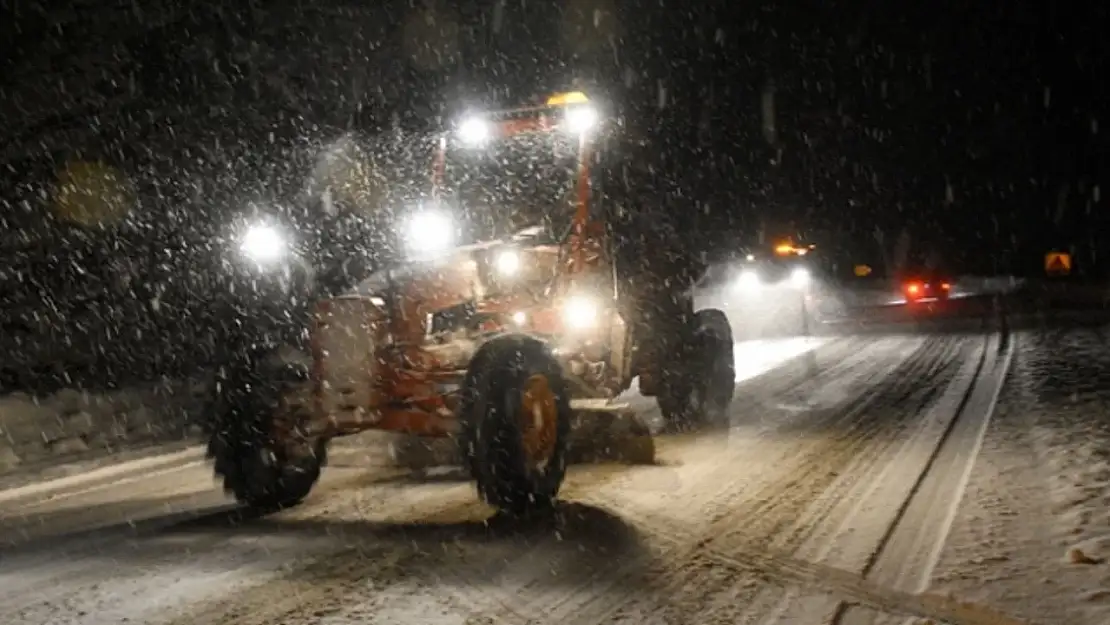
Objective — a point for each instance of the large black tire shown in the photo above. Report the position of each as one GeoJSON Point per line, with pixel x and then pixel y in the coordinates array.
{"type": "Point", "coordinates": [256, 469]}
{"type": "Point", "coordinates": [697, 387]}
{"type": "Point", "coordinates": [518, 464]}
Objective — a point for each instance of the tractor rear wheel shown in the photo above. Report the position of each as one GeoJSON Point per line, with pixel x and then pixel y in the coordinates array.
{"type": "Point", "coordinates": [515, 420]}
{"type": "Point", "coordinates": [697, 388]}
{"type": "Point", "coordinates": [256, 468]}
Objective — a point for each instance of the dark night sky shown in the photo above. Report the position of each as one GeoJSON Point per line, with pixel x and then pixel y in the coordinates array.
{"type": "Point", "coordinates": [973, 126]}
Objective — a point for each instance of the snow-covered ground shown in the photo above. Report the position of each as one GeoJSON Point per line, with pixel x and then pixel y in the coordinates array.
{"type": "Point", "coordinates": [889, 480]}
{"type": "Point", "coordinates": [717, 530]}
{"type": "Point", "coordinates": [1033, 533]}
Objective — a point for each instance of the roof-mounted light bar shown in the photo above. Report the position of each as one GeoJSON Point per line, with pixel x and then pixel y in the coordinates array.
{"type": "Point", "coordinates": [577, 116]}
{"type": "Point", "coordinates": [789, 249]}
{"type": "Point", "coordinates": [568, 98]}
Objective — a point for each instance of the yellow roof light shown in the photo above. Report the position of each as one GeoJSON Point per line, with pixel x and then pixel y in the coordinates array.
{"type": "Point", "coordinates": [565, 99]}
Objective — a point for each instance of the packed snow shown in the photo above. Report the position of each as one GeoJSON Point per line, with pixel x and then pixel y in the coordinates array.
{"type": "Point", "coordinates": [1034, 531]}
{"type": "Point", "coordinates": [1030, 540]}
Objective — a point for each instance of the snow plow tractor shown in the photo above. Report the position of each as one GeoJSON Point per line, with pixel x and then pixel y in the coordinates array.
{"type": "Point", "coordinates": [499, 331]}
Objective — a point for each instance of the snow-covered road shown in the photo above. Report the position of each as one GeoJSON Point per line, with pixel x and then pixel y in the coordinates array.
{"type": "Point", "coordinates": [832, 499]}
{"type": "Point", "coordinates": [1034, 530]}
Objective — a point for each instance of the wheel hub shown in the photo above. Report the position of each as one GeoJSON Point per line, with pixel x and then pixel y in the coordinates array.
{"type": "Point", "coordinates": [538, 418]}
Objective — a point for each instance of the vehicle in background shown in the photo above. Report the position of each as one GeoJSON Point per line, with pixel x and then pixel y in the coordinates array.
{"type": "Point", "coordinates": [918, 287]}
{"type": "Point", "coordinates": [783, 268]}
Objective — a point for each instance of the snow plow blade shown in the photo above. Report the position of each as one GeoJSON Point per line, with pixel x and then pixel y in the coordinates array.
{"type": "Point", "coordinates": [605, 432]}
{"type": "Point", "coordinates": [601, 432]}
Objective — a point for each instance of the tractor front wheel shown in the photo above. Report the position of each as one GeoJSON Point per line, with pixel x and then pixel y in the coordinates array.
{"type": "Point", "coordinates": [256, 468]}
{"type": "Point", "coordinates": [515, 424]}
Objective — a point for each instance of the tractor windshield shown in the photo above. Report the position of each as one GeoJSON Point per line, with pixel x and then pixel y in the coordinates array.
{"type": "Point", "coordinates": [511, 183]}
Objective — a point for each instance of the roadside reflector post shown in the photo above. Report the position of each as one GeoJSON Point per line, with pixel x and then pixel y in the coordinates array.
{"type": "Point", "coordinates": [805, 313]}
{"type": "Point", "coordinates": [811, 357]}
{"type": "Point", "coordinates": [1003, 322]}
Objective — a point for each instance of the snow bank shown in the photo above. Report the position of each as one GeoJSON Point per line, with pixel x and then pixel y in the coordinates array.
{"type": "Point", "coordinates": [72, 424]}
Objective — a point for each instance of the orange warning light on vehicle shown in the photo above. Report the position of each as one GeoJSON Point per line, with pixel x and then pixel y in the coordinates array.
{"type": "Point", "coordinates": [788, 249]}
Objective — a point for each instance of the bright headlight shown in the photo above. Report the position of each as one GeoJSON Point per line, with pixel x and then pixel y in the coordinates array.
{"type": "Point", "coordinates": [580, 312]}
{"type": "Point", "coordinates": [507, 263]}
{"type": "Point", "coordinates": [748, 281]}
{"type": "Point", "coordinates": [581, 118]}
{"type": "Point", "coordinates": [263, 244]}
{"type": "Point", "coordinates": [430, 233]}
{"type": "Point", "coordinates": [474, 130]}
{"type": "Point", "coordinates": [799, 277]}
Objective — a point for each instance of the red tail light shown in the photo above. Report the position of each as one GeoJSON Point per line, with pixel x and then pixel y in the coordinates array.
{"type": "Point", "coordinates": [946, 286]}
{"type": "Point", "coordinates": [913, 288]}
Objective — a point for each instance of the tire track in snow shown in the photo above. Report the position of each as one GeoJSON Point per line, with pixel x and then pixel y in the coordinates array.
{"type": "Point", "coordinates": [483, 571]}
{"type": "Point", "coordinates": [453, 563]}
{"type": "Point", "coordinates": [910, 553]}
{"type": "Point", "coordinates": [517, 568]}
{"type": "Point", "coordinates": [834, 506]}
{"type": "Point", "coordinates": [800, 468]}
{"type": "Point", "coordinates": [50, 567]}
{"type": "Point", "coordinates": [751, 436]}
{"type": "Point", "coordinates": [846, 524]}
{"type": "Point", "coordinates": [788, 571]}
{"type": "Point", "coordinates": [724, 477]}
{"type": "Point", "coordinates": [854, 590]}
{"type": "Point", "coordinates": [463, 588]}
{"type": "Point", "coordinates": [187, 562]}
